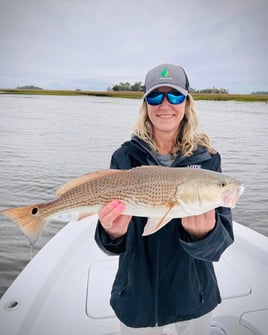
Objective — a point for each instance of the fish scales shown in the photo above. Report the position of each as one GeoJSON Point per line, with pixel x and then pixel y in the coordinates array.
{"type": "Point", "coordinates": [137, 188]}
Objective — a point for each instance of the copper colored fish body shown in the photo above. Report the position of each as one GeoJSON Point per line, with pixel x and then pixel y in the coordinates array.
{"type": "Point", "coordinates": [159, 193]}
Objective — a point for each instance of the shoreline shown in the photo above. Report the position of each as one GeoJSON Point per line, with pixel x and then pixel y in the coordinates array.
{"type": "Point", "coordinates": [136, 95]}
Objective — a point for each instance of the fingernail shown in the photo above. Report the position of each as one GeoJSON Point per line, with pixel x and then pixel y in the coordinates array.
{"type": "Point", "coordinates": [121, 207]}
{"type": "Point", "coordinates": [114, 203]}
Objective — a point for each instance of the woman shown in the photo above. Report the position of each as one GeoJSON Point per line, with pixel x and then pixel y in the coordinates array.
{"type": "Point", "coordinates": [165, 280]}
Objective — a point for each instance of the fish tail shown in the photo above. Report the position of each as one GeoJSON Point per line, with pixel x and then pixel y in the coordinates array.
{"type": "Point", "coordinates": [28, 219]}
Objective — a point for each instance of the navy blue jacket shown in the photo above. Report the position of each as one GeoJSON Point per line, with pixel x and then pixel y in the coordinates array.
{"type": "Point", "coordinates": [165, 277]}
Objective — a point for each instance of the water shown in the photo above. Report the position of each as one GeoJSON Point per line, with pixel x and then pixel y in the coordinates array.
{"type": "Point", "coordinates": [47, 140]}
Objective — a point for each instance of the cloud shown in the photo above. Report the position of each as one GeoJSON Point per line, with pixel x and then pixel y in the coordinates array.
{"type": "Point", "coordinates": [95, 44]}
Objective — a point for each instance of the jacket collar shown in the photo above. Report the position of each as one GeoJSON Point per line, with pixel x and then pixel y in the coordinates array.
{"type": "Point", "coordinates": [137, 145]}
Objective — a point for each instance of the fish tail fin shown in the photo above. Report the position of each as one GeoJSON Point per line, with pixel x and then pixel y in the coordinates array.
{"type": "Point", "coordinates": [28, 219]}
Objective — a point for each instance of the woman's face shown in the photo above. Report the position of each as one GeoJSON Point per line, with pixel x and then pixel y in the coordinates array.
{"type": "Point", "coordinates": [166, 117]}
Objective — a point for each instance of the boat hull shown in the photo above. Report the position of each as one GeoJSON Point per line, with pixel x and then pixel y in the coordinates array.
{"type": "Point", "coordinates": [65, 289]}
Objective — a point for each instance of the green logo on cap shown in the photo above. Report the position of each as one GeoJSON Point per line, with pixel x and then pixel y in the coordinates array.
{"type": "Point", "coordinates": [164, 72]}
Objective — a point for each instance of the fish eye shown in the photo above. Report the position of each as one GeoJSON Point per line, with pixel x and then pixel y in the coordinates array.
{"type": "Point", "coordinates": [35, 211]}
{"type": "Point", "coordinates": [223, 184]}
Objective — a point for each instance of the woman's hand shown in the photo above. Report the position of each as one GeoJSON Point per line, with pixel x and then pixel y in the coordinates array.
{"type": "Point", "coordinates": [112, 220]}
{"type": "Point", "coordinates": [199, 226]}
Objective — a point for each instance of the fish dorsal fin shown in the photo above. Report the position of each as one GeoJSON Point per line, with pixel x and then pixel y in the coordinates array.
{"type": "Point", "coordinates": [84, 179]}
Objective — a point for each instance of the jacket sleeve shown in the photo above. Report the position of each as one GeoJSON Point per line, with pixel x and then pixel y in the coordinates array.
{"type": "Point", "coordinates": [213, 245]}
{"type": "Point", "coordinates": [110, 247]}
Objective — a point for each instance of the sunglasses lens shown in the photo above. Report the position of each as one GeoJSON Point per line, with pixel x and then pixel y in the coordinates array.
{"type": "Point", "coordinates": [155, 98]}
{"type": "Point", "coordinates": [175, 98]}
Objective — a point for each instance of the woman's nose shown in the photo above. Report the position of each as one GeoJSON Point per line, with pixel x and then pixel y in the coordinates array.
{"type": "Point", "coordinates": [165, 102]}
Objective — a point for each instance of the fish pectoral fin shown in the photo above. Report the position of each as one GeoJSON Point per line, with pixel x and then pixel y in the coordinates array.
{"type": "Point", "coordinates": [84, 179]}
{"type": "Point", "coordinates": [154, 224]}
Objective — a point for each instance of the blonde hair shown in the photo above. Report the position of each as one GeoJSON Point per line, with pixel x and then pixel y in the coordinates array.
{"type": "Point", "coordinates": [188, 138]}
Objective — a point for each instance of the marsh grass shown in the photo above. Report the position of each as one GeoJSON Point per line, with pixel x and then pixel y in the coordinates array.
{"type": "Point", "coordinates": [137, 95]}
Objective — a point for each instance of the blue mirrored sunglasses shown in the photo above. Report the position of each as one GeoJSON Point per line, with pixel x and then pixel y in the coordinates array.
{"type": "Point", "coordinates": [156, 98]}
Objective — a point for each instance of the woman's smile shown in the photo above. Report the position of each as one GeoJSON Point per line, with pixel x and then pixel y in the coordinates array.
{"type": "Point", "coordinates": [165, 116]}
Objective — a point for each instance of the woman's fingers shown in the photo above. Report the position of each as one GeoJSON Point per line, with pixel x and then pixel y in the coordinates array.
{"type": "Point", "coordinates": [110, 212]}
{"type": "Point", "coordinates": [112, 220]}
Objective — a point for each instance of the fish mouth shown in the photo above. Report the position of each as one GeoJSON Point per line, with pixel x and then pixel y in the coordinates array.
{"type": "Point", "coordinates": [231, 199]}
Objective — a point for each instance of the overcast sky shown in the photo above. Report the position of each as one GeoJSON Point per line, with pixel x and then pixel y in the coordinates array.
{"type": "Point", "coordinates": [91, 45]}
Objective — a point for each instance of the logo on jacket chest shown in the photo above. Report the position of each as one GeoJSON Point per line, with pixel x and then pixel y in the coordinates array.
{"type": "Point", "coordinates": [194, 166]}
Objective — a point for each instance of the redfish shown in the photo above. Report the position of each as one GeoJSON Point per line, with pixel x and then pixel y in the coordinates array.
{"type": "Point", "coordinates": [158, 193]}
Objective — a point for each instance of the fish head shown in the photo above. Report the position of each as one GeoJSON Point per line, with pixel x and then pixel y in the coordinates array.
{"type": "Point", "coordinates": [207, 190]}
{"type": "Point", "coordinates": [232, 192]}
{"type": "Point", "coordinates": [227, 190]}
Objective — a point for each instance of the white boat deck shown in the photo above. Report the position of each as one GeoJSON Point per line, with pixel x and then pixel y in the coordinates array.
{"type": "Point", "coordinates": [66, 288]}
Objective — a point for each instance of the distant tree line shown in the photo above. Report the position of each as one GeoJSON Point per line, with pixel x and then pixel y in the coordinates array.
{"type": "Point", "coordinates": [138, 87]}
{"type": "Point", "coordinates": [260, 93]}
{"type": "Point", "coordinates": [210, 90]}
{"type": "Point", "coordinates": [29, 87]}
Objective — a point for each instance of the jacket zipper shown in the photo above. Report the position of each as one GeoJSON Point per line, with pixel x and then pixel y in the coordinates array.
{"type": "Point", "coordinates": [157, 282]}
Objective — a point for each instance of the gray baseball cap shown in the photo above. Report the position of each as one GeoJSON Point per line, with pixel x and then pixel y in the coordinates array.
{"type": "Point", "coordinates": [167, 75]}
